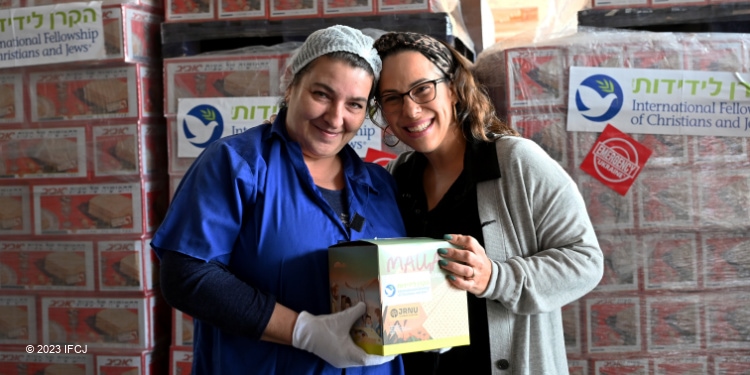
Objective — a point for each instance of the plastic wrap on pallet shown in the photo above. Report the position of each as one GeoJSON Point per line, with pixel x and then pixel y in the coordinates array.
{"type": "Point", "coordinates": [189, 23]}
{"type": "Point", "coordinates": [675, 290]}
{"type": "Point", "coordinates": [83, 186]}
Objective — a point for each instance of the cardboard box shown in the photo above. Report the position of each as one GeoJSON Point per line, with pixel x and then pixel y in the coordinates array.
{"type": "Point", "coordinates": [43, 153]}
{"type": "Point", "coordinates": [123, 323]}
{"type": "Point", "coordinates": [11, 98]}
{"type": "Point", "coordinates": [15, 210]}
{"type": "Point", "coordinates": [18, 320]}
{"type": "Point", "coordinates": [88, 209]}
{"type": "Point", "coordinates": [180, 361]}
{"type": "Point", "coordinates": [130, 34]}
{"type": "Point", "coordinates": [124, 265]}
{"type": "Point", "coordinates": [411, 306]}
{"type": "Point", "coordinates": [221, 76]}
{"type": "Point", "coordinates": [189, 10]}
{"type": "Point", "coordinates": [66, 363]}
{"type": "Point", "coordinates": [182, 329]}
{"type": "Point", "coordinates": [47, 265]}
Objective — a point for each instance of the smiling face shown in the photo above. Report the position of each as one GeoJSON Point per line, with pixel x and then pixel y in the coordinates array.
{"type": "Point", "coordinates": [327, 106]}
{"type": "Point", "coordinates": [423, 127]}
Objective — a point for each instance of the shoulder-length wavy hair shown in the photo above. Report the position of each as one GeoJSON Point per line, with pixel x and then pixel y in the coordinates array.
{"type": "Point", "coordinates": [474, 111]}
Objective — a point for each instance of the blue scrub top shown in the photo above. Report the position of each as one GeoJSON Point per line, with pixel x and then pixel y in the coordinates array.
{"type": "Point", "coordinates": [249, 202]}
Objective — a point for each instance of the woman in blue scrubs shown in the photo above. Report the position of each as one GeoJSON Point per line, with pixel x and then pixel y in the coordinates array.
{"type": "Point", "coordinates": [243, 247]}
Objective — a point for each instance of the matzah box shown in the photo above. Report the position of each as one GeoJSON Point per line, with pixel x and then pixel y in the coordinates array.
{"type": "Point", "coordinates": [182, 329]}
{"type": "Point", "coordinates": [127, 363]}
{"type": "Point", "coordinates": [221, 76]}
{"type": "Point", "coordinates": [18, 320]}
{"type": "Point", "coordinates": [130, 34]}
{"type": "Point", "coordinates": [99, 322]}
{"type": "Point", "coordinates": [129, 149]}
{"type": "Point", "coordinates": [180, 361]}
{"type": "Point", "coordinates": [11, 98]}
{"type": "Point", "coordinates": [125, 266]}
{"type": "Point", "coordinates": [88, 209]}
{"type": "Point", "coordinates": [102, 93]}
{"type": "Point", "coordinates": [15, 210]}
{"type": "Point", "coordinates": [411, 306]}
{"type": "Point", "coordinates": [47, 265]}
{"type": "Point", "coordinates": [20, 362]}
{"type": "Point", "coordinates": [43, 153]}
{"type": "Point", "coordinates": [189, 10]}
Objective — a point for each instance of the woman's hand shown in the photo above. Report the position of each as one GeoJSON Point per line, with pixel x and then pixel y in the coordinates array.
{"type": "Point", "coordinates": [468, 266]}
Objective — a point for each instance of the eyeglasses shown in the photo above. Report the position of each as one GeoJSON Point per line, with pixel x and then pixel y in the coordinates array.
{"type": "Point", "coordinates": [422, 93]}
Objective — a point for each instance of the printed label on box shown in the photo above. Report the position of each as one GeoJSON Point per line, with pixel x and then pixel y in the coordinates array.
{"type": "Point", "coordinates": [84, 94]}
{"type": "Point", "coordinates": [91, 209]}
{"type": "Point", "coordinates": [536, 77]}
{"type": "Point", "coordinates": [725, 260]}
{"type": "Point", "coordinates": [120, 365]}
{"type": "Point", "coordinates": [614, 325]}
{"type": "Point", "coordinates": [181, 363]}
{"type": "Point", "coordinates": [11, 98]}
{"type": "Point", "coordinates": [245, 9]}
{"type": "Point", "coordinates": [68, 364]}
{"type": "Point", "coordinates": [121, 267]}
{"type": "Point", "coordinates": [408, 299]}
{"type": "Point", "coordinates": [671, 261]}
{"type": "Point", "coordinates": [293, 8]}
{"type": "Point", "coordinates": [255, 76]}
{"type": "Point", "coordinates": [189, 10]}
{"type": "Point", "coordinates": [666, 200]}
{"type": "Point", "coordinates": [673, 323]}
{"type": "Point", "coordinates": [15, 210]}
{"type": "Point", "coordinates": [42, 265]}
{"type": "Point", "coordinates": [116, 150]}
{"type": "Point", "coordinates": [620, 262]}
{"type": "Point", "coordinates": [17, 320]}
{"type": "Point", "coordinates": [98, 323]}
{"type": "Point", "coordinates": [395, 6]}
{"type": "Point", "coordinates": [43, 153]}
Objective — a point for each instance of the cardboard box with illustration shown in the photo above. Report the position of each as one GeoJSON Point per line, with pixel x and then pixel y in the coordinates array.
{"type": "Point", "coordinates": [411, 306]}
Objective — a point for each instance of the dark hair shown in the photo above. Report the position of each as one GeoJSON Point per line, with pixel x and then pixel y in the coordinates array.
{"type": "Point", "coordinates": [349, 58]}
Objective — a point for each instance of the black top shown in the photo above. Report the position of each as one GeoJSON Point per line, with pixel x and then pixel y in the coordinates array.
{"type": "Point", "coordinates": [457, 213]}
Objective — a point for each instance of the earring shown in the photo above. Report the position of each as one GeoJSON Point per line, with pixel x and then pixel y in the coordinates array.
{"type": "Point", "coordinates": [388, 138]}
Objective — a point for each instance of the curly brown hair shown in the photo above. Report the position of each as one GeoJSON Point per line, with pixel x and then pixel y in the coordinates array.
{"type": "Point", "coordinates": [474, 109]}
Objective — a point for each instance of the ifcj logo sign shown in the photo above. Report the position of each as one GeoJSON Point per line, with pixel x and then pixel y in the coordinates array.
{"type": "Point", "coordinates": [202, 125]}
{"type": "Point", "coordinates": [599, 98]}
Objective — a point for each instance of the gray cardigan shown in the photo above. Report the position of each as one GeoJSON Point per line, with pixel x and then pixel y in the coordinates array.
{"type": "Point", "coordinates": [544, 255]}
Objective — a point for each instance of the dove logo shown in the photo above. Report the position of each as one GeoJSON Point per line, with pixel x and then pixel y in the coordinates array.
{"type": "Point", "coordinates": [202, 125]}
{"type": "Point", "coordinates": [599, 98]}
{"type": "Point", "coordinates": [390, 290]}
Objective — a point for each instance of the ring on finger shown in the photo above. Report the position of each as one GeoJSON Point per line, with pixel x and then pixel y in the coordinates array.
{"type": "Point", "coordinates": [473, 273]}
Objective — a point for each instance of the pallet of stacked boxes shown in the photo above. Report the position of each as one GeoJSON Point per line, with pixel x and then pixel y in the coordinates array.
{"type": "Point", "coordinates": [83, 185]}
{"type": "Point", "coordinates": [674, 281]}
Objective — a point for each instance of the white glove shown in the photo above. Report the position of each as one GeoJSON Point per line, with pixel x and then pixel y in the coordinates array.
{"type": "Point", "coordinates": [327, 336]}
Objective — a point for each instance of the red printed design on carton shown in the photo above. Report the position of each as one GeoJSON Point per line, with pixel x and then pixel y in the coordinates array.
{"type": "Point", "coordinates": [17, 320]}
{"type": "Point", "coordinates": [88, 209]}
{"type": "Point", "coordinates": [47, 265]}
{"type": "Point", "coordinates": [11, 98]}
{"type": "Point", "coordinates": [15, 210]}
{"type": "Point", "coordinates": [43, 153]}
{"type": "Point", "coordinates": [220, 76]}
{"type": "Point", "coordinates": [122, 266]}
{"type": "Point", "coordinates": [100, 93]}
{"type": "Point", "coordinates": [46, 364]}
{"type": "Point", "coordinates": [98, 322]}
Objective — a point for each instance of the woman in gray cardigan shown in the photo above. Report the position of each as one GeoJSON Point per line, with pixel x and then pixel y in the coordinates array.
{"type": "Point", "coordinates": [473, 177]}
